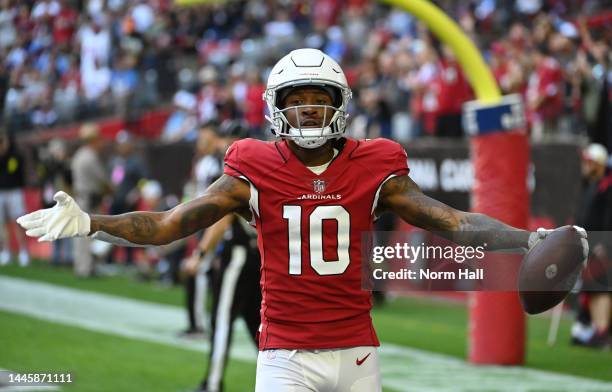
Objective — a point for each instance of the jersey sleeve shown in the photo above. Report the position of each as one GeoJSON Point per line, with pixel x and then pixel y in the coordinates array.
{"type": "Point", "coordinates": [231, 161]}
{"type": "Point", "coordinates": [399, 161]}
{"type": "Point", "coordinates": [387, 157]}
{"type": "Point", "coordinates": [381, 157]}
{"type": "Point", "coordinates": [388, 160]}
{"type": "Point", "coordinates": [236, 165]}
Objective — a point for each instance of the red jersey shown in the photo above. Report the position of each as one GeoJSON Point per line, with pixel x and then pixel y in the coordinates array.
{"type": "Point", "coordinates": [547, 82]}
{"type": "Point", "coordinates": [452, 88]}
{"type": "Point", "coordinates": [254, 105]}
{"type": "Point", "coordinates": [64, 25]}
{"type": "Point", "coordinates": [310, 231]}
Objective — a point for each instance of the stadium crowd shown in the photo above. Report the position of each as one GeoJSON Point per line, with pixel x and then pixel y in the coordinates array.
{"type": "Point", "coordinates": [65, 60]}
{"type": "Point", "coordinates": [68, 60]}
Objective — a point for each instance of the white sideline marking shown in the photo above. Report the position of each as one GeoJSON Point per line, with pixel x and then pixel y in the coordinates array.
{"type": "Point", "coordinates": [403, 369]}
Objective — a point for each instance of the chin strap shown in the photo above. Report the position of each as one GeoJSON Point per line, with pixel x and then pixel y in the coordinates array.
{"type": "Point", "coordinates": [273, 127]}
{"type": "Point", "coordinates": [309, 143]}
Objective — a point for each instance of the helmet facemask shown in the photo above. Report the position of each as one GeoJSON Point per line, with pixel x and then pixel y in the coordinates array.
{"type": "Point", "coordinates": [332, 126]}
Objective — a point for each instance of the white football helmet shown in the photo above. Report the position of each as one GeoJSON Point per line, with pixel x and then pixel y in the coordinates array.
{"type": "Point", "coordinates": [307, 67]}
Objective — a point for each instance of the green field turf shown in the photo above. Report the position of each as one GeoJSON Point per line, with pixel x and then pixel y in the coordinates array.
{"type": "Point", "coordinates": [103, 363]}
{"type": "Point", "coordinates": [442, 327]}
{"type": "Point", "coordinates": [121, 285]}
{"type": "Point", "coordinates": [426, 324]}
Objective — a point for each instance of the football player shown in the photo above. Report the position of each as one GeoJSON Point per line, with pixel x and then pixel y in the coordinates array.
{"type": "Point", "coordinates": [311, 194]}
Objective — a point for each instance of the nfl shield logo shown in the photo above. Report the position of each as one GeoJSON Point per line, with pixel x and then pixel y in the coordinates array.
{"type": "Point", "coordinates": [319, 186]}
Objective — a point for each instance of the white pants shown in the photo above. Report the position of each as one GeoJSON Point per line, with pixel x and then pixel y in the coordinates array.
{"type": "Point", "coordinates": [354, 369]}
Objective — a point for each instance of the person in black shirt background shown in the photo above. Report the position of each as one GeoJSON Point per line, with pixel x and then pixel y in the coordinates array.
{"type": "Point", "coordinates": [592, 326]}
{"type": "Point", "coordinates": [12, 181]}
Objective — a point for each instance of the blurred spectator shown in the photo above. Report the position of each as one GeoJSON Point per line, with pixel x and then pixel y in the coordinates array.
{"type": "Point", "coordinates": [221, 242]}
{"type": "Point", "coordinates": [253, 104]}
{"type": "Point", "coordinates": [12, 181]}
{"type": "Point", "coordinates": [507, 69]}
{"type": "Point", "coordinates": [238, 85]}
{"type": "Point", "coordinates": [375, 120]}
{"type": "Point", "coordinates": [95, 41]}
{"type": "Point", "coordinates": [210, 147]}
{"type": "Point", "coordinates": [209, 154]}
{"type": "Point", "coordinates": [280, 30]}
{"type": "Point", "coordinates": [69, 93]}
{"type": "Point", "coordinates": [213, 141]}
{"type": "Point", "coordinates": [128, 170]}
{"type": "Point", "coordinates": [168, 258]}
{"type": "Point", "coordinates": [45, 9]}
{"type": "Point", "coordinates": [56, 176]}
{"type": "Point", "coordinates": [452, 90]}
{"type": "Point", "coordinates": [143, 16]}
{"type": "Point", "coordinates": [124, 83]}
{"type": "Point", "coordinates": [95, 7]}
{"type": "Point", "coordinates": [592, 326]}
{"type": "Point", "coordinates": [90, 183]}
{"type": "Point", "coordinates": [595, 67]}
{"type": "Point", "coordinates": [8, 33]}
{"type": "Point", "coordinates": [528, 7]}
{"type": "Point", "coordinates": [35, 88]}
{"type": "Point", "coordinates": [325, 13]}
{"type": "Point", "coordinates": [96, 82]}
{"type": "Point", "coordinates": [4, 85]}
{"type": "Point", "coordinates": [182, 123]}
{"type": "Point", "coordinates": [425, 100]}
{"type": "Point", "coordinates": [209, 95]}
{"type": "Point", "coordinates": [335, 46]}
{"type": "Point", "coordinates": [44, 116]}
{"type": "Point", "coordinates": [544, 95]}
{"type": "Point", "coordinates": [64, 24]}
{"type": "Point", "coordinates": [356, 26]}
{"type": "Point", "coordinates": [596, 210]}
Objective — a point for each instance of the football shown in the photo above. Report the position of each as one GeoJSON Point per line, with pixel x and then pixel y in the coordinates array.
{"type": "Point", "coordinates": [550, 269]}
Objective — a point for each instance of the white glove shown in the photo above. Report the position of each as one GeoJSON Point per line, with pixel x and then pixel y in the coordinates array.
{"type": "Point", "coordinates": [541, 233]}
{"type": "Point", "coordinates": [585, 243]}
{"type": "Point", "coordinates": [65, 219]}
{"type": "Point", "coordinates": [537, 236]}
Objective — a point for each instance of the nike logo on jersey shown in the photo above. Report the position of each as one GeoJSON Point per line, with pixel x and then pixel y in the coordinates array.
{"type": "Point", "coordinates": [358, 361]}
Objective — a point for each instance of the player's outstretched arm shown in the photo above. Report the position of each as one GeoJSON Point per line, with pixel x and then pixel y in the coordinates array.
{"type": "Point", "coordinates": [65, 219]}
{"type": "Point", "coordinates": [403, 196]}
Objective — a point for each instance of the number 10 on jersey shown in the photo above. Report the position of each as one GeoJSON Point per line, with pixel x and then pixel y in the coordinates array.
{"type": "Point", "coordinates": [293, 215]}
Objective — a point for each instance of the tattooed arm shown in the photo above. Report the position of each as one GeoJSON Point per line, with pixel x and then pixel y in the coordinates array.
{"type": "Point", "coordinates": [224, 196]}
{"type": "Point", "coordinates": [403, 197]}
